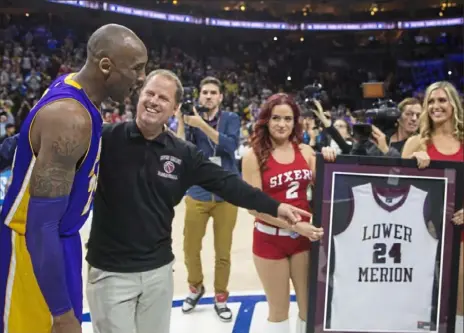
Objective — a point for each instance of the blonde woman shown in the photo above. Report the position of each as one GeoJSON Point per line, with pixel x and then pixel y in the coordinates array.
{"type": "Point", "coordinates": [441, 138]}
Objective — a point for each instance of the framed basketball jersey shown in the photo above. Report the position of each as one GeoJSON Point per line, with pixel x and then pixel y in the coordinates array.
{"type": "Point", "coordinates": [389, 257]}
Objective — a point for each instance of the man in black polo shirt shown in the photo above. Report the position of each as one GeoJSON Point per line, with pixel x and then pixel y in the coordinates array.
{"type": "Point", "coordinates": [145, 172]}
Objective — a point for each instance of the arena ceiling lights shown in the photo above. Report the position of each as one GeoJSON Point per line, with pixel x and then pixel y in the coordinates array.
{"type": "Point", "coordinates": [304, 26]}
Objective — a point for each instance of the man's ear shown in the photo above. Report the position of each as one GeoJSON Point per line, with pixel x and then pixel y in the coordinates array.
{"type": "Point", "coordinates": [105, 66]}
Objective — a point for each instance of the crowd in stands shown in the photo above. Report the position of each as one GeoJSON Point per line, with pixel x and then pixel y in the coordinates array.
{"type": "Point", "coordinates": [35, 51]}
{"type": "Point", "coordinates": [293, 13]}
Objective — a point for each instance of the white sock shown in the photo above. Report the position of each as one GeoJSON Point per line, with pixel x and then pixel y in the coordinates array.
{"type": "Point", "coordinates": [300, 325]}
{"type": "Point", "coordinates": [459, 324]}
{"type": "Point", "coordinates": [280, 327]}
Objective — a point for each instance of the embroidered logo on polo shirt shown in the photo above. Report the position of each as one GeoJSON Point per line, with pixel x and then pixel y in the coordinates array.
{"type": "Point", "coordinates": [169, 166]}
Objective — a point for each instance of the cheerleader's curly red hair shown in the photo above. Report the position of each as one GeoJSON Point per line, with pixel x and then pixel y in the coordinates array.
{"type": "Point", "coordinates": [261, 139]}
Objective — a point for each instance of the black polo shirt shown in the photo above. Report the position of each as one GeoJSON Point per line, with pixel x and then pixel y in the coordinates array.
{"type": "Point", "coordinates": [140, 182]}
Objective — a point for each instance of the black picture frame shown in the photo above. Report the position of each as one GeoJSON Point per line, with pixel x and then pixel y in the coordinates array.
{"type": "Point", "coordinates": [346, 171]}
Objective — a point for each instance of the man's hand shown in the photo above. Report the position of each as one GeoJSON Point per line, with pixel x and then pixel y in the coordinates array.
{"type": "Point", "coordinates": [458, 217]}
{"type": "Point", "coordinates": [194, 121]}
{"type": "Point", "coordinates": [309, 231]}
{"type": "Point", "coordinates": [66, 323]}
{"type": "Point", "coordinates": [329, 154]}
{"type": "Point", "coordinates": [319, 112]}
{"type": "Point", "coordinates": [379, 139]}
{"type": "Point", "coordinates": [292, 214]}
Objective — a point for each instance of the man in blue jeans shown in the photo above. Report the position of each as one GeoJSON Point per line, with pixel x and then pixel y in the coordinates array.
{"type": "Point", "coordinates": [216, 133]}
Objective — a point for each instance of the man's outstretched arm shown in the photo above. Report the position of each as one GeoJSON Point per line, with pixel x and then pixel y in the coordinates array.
{"type": "Point", "coordinates": [60, 137]}
{"type": "Point", "coordinates": [233, 189]}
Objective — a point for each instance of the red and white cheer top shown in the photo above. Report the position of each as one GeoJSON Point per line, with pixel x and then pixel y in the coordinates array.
{"type": "Point", "coordinates": [288, 183]}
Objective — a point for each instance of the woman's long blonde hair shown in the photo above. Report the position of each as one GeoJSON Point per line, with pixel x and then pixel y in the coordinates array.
{"type": "Point", "coordinates": [426, 124]}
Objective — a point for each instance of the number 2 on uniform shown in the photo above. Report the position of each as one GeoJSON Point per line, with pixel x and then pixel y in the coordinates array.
{"type": "Point", "coordinates": [292, 190]}
{"type": "Point", "coordinates": [380, 251]}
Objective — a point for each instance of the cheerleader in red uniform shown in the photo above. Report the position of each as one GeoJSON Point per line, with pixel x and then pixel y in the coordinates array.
{"type": "Point", "coordinates": [284, 168]}
{"type": "Point", "coordinates": [441, 138]}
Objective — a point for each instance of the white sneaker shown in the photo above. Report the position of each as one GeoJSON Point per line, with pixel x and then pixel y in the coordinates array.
{"type": "Point", "coordinates": [192, 299]}
{"type": "Point", "coordinates": [221, 308]}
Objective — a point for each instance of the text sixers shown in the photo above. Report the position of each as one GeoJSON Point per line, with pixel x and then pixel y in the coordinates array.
{"type": "Point", "coordinates": [289, 177]}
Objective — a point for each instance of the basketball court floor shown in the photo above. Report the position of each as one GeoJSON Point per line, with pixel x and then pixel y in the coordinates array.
{"type": "Point", "coordinates": [247, 299]}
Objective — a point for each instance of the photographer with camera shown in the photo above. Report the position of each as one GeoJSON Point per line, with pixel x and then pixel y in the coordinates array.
{"type": "Point", "coordinates": [319, 130]}
{"type": "Point", "coordinates": [391, 127]}
{"type": "Point", "coordinates": [216, 133]}
{"type": "Point", "coordinates": [332, 133]}
{"type": "Point", "coordinates": [392, 142]}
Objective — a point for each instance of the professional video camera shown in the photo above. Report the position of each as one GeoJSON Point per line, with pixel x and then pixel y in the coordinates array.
{"type": "Point", "coordinates": [311, 92]}
{"type": "Point", "coordinates": [188, 103]}
{"type": "Point", "coordinates": [383, 114]}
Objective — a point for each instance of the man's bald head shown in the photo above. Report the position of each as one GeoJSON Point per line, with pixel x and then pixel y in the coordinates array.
{"type": "Point", "coordinates": [116, 57]}
{"type": "Point", "coordinates": [111, 40]}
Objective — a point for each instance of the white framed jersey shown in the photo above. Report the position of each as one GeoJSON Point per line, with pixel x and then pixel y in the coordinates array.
{"type": "Point", "coordinates": [384, 264]}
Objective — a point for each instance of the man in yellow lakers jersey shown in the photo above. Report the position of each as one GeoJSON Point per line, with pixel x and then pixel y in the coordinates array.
{"type": "Point", "coordinates": [54, 176]}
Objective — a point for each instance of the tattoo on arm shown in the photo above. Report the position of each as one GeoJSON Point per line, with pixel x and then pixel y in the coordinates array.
{"type": "Point", "coordinates": [61, 149]}
{"type": "Point", "coordinates": [50, 180]}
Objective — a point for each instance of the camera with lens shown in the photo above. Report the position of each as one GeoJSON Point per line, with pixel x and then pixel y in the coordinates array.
{"type": "Point", "coordinates": [188, 103]}
{"type": "Point", "coordinates": [384, 114]}
{"type": "Point", "coordinates": [313, 91]}
{"type": "Point", "coordinates": [310, 93]}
